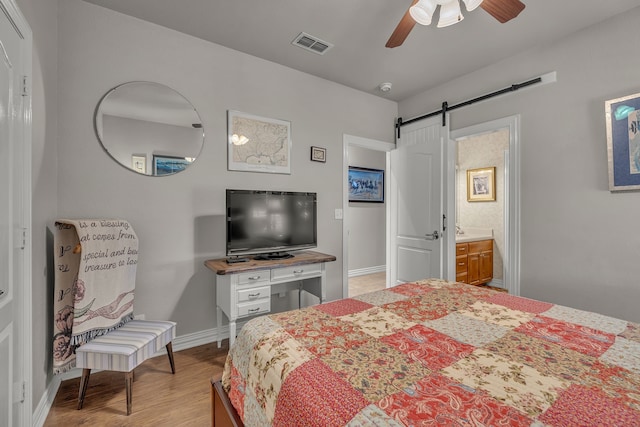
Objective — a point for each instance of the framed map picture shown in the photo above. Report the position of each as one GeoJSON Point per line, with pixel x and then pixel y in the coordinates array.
{"type": "Point", "coordinates": [258, 144]}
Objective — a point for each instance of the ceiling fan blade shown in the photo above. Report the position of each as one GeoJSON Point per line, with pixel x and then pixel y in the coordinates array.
{"type": "Point", "coordinates": [503, 10]}
{"type": "Point", "coordinates": [403, 29]}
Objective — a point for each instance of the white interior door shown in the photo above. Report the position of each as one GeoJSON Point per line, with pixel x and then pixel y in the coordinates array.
{"type": "Point", "coordinates": [14, 210]}
{"type": "Point", "coordinates": [416, 196]}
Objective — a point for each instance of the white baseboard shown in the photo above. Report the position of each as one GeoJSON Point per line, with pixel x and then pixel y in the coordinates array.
{"type": "Point", "coordinates": [44, 406]}
{"type": "Point", "coordinates": [497, 283]}
{"type": "Point", "coordinates": [367, 270]}
{"type": "Point", "coordinates": [180, 343]}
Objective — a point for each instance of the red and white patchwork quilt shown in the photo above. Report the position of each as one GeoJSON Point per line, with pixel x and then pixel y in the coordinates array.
{"type": "Point", "coordinates": [436, 353]}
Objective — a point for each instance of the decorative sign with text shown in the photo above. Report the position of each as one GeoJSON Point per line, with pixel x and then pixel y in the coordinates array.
{"type": "Point", "coordinates": [95, 261]}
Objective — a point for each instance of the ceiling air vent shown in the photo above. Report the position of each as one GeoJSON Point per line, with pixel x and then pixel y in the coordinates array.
{"type": "Point", "coordinates": [311, 43]}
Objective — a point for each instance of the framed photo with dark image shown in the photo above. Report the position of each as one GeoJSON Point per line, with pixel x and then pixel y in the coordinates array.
{"type": "Point", "coordinates": [319, 154]}
{"type": "Point", "coordinates": [623, 142]}
{"type": "Point", "coordinates": [481, 184]}
{"type": "Point", "coordinates": [366, 185]}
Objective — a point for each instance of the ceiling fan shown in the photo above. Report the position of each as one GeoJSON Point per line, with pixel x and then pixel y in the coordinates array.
{"type": "Point", "coordinates": [421, 11]}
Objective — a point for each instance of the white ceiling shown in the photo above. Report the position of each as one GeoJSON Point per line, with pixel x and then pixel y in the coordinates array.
{"type": "Point", "coordinates": [359, 30]}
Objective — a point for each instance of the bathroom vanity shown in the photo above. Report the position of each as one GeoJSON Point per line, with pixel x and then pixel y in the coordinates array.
{"type": "Point", "coordinates": [474, 261]}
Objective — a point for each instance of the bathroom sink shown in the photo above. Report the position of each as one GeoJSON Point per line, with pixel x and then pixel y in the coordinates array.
{"type": "Point", "coordinates": [462, 238]}
{"type": "Point", "coordinates": [474, 234]}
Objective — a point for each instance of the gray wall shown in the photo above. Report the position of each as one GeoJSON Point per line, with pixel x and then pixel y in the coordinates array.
{"type": "Point", "coordinates": [367, 221]}
{"type": "Point", "coordinates": [180, 219]}
{"type": "Point", "coordinates": [579, 242]}
{"type": "Point", "coordinates": [81, 52]}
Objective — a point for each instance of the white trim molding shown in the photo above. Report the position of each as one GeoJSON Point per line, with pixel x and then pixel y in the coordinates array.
{"type": "Point", "coordinates": [367, 270]}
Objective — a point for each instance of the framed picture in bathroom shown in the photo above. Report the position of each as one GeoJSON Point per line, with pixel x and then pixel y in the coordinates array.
{"type": "Point", "coordinates": [623, 142]}
{"type": "Point", "coordinates": [481, 184]}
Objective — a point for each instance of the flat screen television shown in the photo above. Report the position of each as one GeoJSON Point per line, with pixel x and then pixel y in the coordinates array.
{"type": "Point", "coordinates": [270, 224]}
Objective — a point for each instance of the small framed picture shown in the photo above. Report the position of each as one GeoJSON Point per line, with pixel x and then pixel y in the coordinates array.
{"type": "Point", "coordinates": [318, 154]}
{"type": "Point", "coordinates": [168, 165]}
{"type": "Point", "coordinates": [139, 163]}
{"type": "Point", "coordinates": [481, 184]}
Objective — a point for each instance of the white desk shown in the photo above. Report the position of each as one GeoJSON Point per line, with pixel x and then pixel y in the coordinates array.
{"type": "Point", "coordinates": [244, 289]}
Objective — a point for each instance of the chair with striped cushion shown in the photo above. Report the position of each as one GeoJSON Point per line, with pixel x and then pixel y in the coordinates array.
{"type": "Point", "coordinates": [123, 349]}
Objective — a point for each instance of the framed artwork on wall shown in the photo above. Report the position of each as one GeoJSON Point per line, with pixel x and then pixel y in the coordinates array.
{"type": "Point", "coordinates": [168, 165]}
{"type": "Point", "coordinates": [319, 154]}
{"type": "Point", "coordinates": [623, 142]}
{"type": "Point", "coordinates": [139, 163]}
{"type": "Point", "coordinates": [366, 185]}
{"type": "Point", "coordinates": [481, 184]}
{"type": "Point", "coordinates": [258, 144]}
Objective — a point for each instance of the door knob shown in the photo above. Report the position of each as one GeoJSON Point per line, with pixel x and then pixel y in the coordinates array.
{"type": "Point", "coordinates": [434, 236]}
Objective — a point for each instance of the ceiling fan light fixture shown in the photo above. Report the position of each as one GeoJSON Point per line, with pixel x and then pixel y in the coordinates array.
{"type": "Point", "coordinates": [472, 4]}
{"type": "Point", "coordinates": [422, 12]}
{"type": "Point", "coordinates": [450, 14]}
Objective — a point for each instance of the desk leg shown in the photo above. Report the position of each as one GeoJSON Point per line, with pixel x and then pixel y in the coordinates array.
{"type": "Point", "coordinates": [232, 332]}
{"type": "Point", "coordinates": [219, 325]}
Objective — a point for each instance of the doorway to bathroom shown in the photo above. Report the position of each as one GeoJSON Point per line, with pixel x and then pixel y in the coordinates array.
{"type": "Point", "coordinates": [488, 145]}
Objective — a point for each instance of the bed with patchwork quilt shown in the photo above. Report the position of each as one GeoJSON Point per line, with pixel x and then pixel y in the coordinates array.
{"type": "Point", "coordinates": [432, 353]}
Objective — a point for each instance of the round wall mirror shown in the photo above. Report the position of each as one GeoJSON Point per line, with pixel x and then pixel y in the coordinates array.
{"type": "Point", "coordinates": [149, 128]}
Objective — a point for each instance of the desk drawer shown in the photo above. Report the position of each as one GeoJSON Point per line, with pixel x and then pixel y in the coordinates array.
{"type": "Point", "coordinates": [253, 277]}
{"type": "Point", "coordinates": [253, 308]}
{"type": "Point", "coordinates": [254, 293]}
{"type": "Point", "coordinates": [297, 271]}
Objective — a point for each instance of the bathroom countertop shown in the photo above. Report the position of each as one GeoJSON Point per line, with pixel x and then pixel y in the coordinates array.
{"type": "Point", "coordinates": [474, 234]}
{"type": "Point", "coordinates": [462, 238]}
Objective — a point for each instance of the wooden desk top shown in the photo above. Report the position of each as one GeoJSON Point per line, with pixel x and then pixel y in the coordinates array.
{"type": "Point", "coordinates": [221, 267]}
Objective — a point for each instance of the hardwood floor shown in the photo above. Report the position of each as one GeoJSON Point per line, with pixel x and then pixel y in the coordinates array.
{"type": "Point", "coordinates": [159, 398]}
{"type": "Point", "coordinates": [373, 282]}
{"type": "Point", "coordinates": [367, 283]}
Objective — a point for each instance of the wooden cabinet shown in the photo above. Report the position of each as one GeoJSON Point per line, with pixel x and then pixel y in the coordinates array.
{"type": "Point", "coordinates": [474, 262]}
{"type": "Point", "coordinates": [462, 268]}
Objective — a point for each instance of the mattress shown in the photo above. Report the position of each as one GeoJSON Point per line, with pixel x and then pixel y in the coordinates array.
{"type": "Point", "coordinates": [436, 353]}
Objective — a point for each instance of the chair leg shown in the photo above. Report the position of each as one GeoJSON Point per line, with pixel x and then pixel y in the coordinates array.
{"type": "Point", "coordinates": [128, 382]}
{"type": "Point", "coordinates": [84, 382]}
{"type": "Point", "coordinates": [170, 354]}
